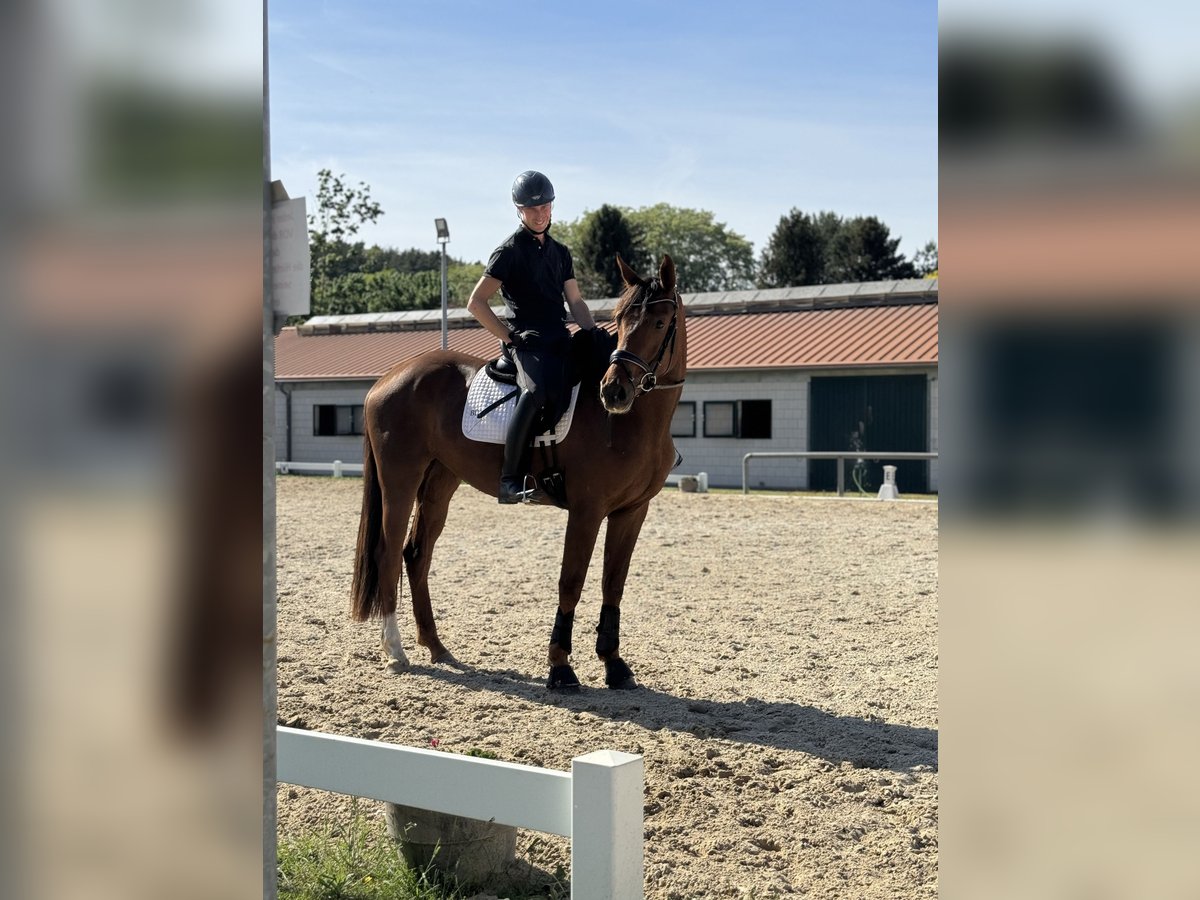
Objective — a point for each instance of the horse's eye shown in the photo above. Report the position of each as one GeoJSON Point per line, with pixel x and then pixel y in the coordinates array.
{"type": "Point", "coordinates": [660, 324]}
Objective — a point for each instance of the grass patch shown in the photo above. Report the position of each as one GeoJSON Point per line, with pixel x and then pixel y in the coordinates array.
{"type": "Point", "coordinates": [359, 861]}
{"type": "Point", "coordinates": [353, 862]}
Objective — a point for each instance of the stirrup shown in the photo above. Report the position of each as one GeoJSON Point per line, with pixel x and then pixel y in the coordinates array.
{"type": "Point", "coordinates": [524, 495]}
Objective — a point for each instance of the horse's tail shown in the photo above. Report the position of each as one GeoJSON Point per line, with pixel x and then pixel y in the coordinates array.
{"type": "Point", "coordinates": [364, 602]}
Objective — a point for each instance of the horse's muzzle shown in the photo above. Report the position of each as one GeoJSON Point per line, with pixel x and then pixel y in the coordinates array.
{"type": "Point", "coordinates": [616, 392]}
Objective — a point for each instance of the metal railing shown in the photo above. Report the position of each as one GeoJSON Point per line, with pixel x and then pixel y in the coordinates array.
{"type": "Point", "coordinates": [840, 455]}
{"type": "Point", "coordinates": [337, 468]}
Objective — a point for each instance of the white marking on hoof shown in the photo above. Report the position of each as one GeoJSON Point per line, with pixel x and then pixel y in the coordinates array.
{"type": "Point", "coordinates": [392, 645]}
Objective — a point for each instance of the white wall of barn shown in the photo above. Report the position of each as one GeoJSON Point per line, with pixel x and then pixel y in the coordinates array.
{"type": "Point", "coordinates": [307, 446]}
{"type": "Point", "coordinates": [788, 391]}
{"type": "Point", "coordinates": [719, 457]}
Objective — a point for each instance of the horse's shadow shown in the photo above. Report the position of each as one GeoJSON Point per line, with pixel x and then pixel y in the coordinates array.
{"type": "Point", "coordinates": [864, 743]}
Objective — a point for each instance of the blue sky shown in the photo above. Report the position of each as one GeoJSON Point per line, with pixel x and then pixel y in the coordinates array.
{"type": "Point", "coordinates": [743, 109]}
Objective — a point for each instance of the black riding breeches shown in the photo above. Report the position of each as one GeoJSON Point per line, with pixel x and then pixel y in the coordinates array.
{"type": "Point", "coordinates": [543, 370]}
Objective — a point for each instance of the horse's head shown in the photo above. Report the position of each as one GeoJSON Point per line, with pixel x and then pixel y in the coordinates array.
{"type": "Point", "coordinates": [650, 351]}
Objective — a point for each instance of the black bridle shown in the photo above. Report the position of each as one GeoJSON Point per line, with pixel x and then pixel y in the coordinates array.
{"type": "Point", "coordinates": [649, 381]}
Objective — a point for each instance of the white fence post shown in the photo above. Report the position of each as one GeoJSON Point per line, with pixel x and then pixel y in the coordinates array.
{"type": "Point", "coordinates": [337, 468]}
{"type": "Point", "coordinates": [606, 826]}
{"type": "Point", "coordinates": [888, 490]}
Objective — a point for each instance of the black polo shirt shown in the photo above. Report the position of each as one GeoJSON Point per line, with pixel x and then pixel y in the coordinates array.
{"type": "Point", "coordinates": [531, 276]}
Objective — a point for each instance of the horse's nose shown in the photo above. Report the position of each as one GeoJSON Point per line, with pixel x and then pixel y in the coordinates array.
{"type": "Point", "coordinates": [614, 394]}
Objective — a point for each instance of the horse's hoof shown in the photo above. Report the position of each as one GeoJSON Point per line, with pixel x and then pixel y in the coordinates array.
{"type": "Point", "coordinates": [563, 678]}
{"type": "Point", "coordinates": [619, 676]}
{"type": "Point", "coordinates": [445, 658]}
{"type": "Point", "coordinates": [397, 666]}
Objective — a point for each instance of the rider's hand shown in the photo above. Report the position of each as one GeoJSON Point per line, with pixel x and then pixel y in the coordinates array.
{"type": "Point", "coordinates": [523, 340]}
{"type": "Point", "coordinates": [601, 339]}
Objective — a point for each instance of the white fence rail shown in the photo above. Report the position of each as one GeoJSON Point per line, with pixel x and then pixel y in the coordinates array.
{"type": "Point", "coordinates": [337, 468]}
{"type": "Point", "coordinates": [598, 804]}
{"type": "Point", "coordinates": [840, 455]}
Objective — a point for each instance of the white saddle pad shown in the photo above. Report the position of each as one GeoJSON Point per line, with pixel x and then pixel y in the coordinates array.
{"type": "Point", "coordinates": [483, 392]}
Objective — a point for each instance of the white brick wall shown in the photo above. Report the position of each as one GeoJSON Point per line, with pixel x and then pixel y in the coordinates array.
{"type": "Point", "coordinates": [721, 458]}
{"type": "Point", "coordinates": [306, 446]}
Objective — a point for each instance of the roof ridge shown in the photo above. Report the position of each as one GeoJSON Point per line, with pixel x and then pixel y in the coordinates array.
{"type": "Point", "coordinates": [906, 292]}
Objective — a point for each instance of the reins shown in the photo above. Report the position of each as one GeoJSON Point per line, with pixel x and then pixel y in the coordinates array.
{"type": "Point", "coordinates": [649, 381]}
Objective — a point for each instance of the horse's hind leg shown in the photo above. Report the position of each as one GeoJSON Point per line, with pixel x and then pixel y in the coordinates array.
{"type": "Point", "coordinates": [433, 503]}
{"type": "Point", "coordinates": [623, 530]}
{"type": "Point", "coordinates": [397, 510]}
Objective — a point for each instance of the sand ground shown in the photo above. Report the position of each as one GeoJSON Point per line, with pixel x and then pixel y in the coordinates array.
{"type": "Point", "coordinates": [787, 651]}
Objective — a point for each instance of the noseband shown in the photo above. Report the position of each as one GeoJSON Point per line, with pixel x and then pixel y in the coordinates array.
{"type": "Point", "coordinates": [649, 381]}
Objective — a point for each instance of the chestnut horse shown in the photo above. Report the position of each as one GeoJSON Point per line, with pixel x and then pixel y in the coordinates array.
{"type": "Point", "coordinates": [615, 458]}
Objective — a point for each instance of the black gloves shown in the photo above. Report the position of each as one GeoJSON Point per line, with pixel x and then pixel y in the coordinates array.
{"type": "Point", "coordinates": [604, 342]}
{"type": "Point", "coordinates": [524, 340]}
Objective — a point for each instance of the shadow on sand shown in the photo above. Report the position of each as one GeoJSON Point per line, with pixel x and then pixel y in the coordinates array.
{"type": "Point", "coordinates": [867, 744]}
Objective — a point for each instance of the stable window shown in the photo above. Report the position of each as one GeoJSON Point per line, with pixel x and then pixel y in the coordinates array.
{"type": "Point", "coordinates": [683, 423]}
{"type": "Point", "coordinates": [738, 419]}
{"type": "Point", "coordinates": [330, 420]}
{"type": "Point", "coordinates": [754, 417]}
{"type": "Point", "coordinates": [720, 419]}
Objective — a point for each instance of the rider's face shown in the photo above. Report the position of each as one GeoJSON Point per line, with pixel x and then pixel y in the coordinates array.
{"type": "Point", "coordinates": [536, 217]}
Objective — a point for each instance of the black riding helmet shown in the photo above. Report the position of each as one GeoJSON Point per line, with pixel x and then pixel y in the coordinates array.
{"type": "Point", "coordinates": [532, 189]}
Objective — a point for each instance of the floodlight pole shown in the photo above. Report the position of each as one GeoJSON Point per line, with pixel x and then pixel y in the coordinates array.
{"type": "Point", "coordinates": [443, 233]}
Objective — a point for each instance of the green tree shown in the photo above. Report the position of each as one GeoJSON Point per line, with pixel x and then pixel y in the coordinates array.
{"type": "Point", "coordinates": [340, 212]}
{"type": "Point", "coordinates": [392, 291]}
{"type": "Point", "coordinates": [798, 249]}
{"type": "Point", "coordinates": [826, 249]}
{"type": "Point", "coordinates": [601, 236]}
{"type": "Point", "coordinates": [461, 279]}
{"type": "Point", "coordinates": [343, 296]}
{"type": "Point", "coordinates": [925, 260]}
{"type": "Point", "coordinates": [864, 250]}
{"type": "Point", "coordinates": [410, 260]}
{"type": "Point", "coordinates": [567, 233]}
{"type": "Point", "coordinates": [708, 256]}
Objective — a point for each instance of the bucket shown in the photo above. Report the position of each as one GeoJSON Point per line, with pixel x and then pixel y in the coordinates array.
{"type": "Point", "coordinates": [467, 849]}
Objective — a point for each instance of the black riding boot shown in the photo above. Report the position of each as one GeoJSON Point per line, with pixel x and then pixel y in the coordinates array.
{"type": "Point", "coordinates": [517, 451]}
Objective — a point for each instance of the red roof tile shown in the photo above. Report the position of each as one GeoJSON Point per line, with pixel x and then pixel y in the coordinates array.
{"type": "Point", "coordinates": [813, 338]}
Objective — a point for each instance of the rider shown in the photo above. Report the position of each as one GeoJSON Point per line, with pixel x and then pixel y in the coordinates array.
{"type": "Point", "coordinates": [534, 273]}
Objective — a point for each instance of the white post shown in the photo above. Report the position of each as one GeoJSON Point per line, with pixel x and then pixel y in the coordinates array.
{"type": "Point", "coordinates": [702, 479]}
{"type": "Point", "coordinates": [606, 826]}
{"type": "Point", "coordinates": [337, 468]}
{"type": "Point", "coordinates": [888, 490]}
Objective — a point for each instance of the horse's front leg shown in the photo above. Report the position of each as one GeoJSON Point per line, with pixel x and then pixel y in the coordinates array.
{"type": "Point", "coordinates": [623, 530]}
{"type": "Point", "coordinates": [582, 528]}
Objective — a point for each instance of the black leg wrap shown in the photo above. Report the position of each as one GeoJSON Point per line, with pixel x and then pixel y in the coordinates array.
{"type": "Point", "coordinates": [608, 631]}
{"type": "Point", "coordinates": [617, 675]}
{"type": "Point", "coordinates": [561, 635]}
{"type": "Point", "coordinates": [562, 678]}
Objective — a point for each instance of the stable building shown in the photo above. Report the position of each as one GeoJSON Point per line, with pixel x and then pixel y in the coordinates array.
{"type": "Point", "coordinates": [823, 367]}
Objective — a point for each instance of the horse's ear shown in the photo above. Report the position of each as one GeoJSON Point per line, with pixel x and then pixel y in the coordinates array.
{"type": "Point", "coordinates": [666, 274]}
{"type": "Point", "coordinates": [630, 277]}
